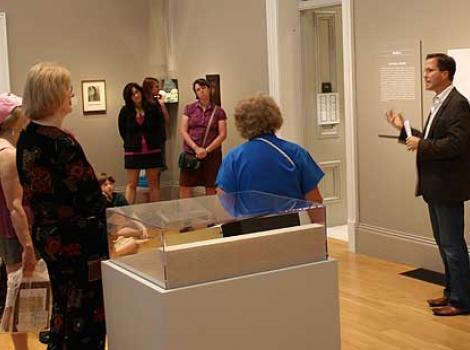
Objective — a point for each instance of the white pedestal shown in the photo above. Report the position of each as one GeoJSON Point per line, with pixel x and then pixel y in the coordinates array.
{"type": "Point", "coordinates": [291, 308]}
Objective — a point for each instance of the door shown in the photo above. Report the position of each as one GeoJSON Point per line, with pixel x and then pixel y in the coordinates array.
{"type": "Point", "coordinates": [323, 99]}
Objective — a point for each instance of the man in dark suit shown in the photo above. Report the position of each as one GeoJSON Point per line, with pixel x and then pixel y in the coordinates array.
{"type": "Point", "coordinates": [443, 163]}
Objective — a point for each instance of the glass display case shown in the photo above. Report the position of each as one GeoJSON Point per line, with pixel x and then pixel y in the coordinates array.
{"type": "Point", "coordinates": [188, 241]}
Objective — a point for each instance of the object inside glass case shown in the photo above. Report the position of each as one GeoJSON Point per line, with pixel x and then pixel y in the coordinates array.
{"type": "Point", "coordinates": [187, 241]}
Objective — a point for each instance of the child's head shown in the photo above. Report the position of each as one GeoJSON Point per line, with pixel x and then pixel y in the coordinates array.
{"type": "Point", "coordinates": [106, 183]}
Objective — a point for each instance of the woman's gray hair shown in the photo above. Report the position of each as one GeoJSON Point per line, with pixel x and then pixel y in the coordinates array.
{"type": "Point", "coordinates": [257, 115]}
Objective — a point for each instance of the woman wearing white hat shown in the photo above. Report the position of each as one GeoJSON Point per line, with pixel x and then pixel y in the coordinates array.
{"type": "Point", "coordinates": [16, 248]}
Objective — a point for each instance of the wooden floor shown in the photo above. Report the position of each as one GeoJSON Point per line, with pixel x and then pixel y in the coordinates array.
{"type": "Point", "coordinates": [380, 310]}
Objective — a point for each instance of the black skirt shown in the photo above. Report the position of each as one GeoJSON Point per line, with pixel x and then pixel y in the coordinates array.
{"type": "Point", "coordinates": [143, 161]}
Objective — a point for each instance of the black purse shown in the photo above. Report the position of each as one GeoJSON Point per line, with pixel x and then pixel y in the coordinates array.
{"type": "Point", "coordinates": [189, 161]}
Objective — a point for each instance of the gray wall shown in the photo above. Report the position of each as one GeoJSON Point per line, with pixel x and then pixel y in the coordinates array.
{"type": "Point", "coordinates": [125, 41]}
{"type": "Point", "coordinates": [393, 223]}
{"type": "Point", "coordinates": [219, 37]}
{"type": "Point", "coordinates": [119, 41]}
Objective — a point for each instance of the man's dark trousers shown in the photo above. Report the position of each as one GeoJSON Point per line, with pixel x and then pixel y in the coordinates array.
{"type": "Point", "coordinates": [447, 220]}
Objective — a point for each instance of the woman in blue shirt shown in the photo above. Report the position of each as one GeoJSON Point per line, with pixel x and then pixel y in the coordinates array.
{"type": "Point", "coordinates": [266, 162]}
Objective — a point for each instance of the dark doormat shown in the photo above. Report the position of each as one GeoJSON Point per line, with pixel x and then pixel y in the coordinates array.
{"type": "Point", "coordinates": [426, 276]}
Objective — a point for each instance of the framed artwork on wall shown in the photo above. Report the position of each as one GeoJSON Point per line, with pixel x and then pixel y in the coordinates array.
{"type": "Point", "coordinates": [214, 85]}
{"type": "Point", "coordinates": [94, 96]}
{"type": "Point", "coordinates": [170, 90]}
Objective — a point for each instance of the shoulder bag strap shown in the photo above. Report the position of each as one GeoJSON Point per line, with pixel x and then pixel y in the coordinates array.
{"type": "Point", "coordinates": [208, 127]}
{"type": "Point", "coordinates": [289, 159]}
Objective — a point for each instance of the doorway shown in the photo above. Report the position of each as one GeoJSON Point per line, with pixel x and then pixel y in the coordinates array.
{"type": "Point", "coordinates": [323, 101]}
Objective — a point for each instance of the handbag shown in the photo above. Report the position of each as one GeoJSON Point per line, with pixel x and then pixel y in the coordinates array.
{"type": "Point", "coordinates": [189, 161]}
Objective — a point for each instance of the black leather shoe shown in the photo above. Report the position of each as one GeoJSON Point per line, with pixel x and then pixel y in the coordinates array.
{"type": "Point", "coordinates": [44, 337]}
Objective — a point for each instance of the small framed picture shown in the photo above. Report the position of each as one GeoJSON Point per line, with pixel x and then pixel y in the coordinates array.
{"type": "Point", "coordinates": [94, 96]}
{"type": "Point", "coordinates": [214, 85]}
{"type": "Point", "coordinates": [170, 89]}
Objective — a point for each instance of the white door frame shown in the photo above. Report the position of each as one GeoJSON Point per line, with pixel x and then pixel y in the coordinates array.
{"type": "Point", "coordinates": [349, 95]}
{"type": "Point", "coordinates": [273, 49]}
{"type": "Point", "coordinates": [4, 67]}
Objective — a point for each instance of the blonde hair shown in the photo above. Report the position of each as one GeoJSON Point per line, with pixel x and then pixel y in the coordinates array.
{"type": "Point", "coordinates": [257, 115]}
{"type": "Point", "coordinates": [45, 89]}
{"type": "Point", "coordinates": [12, 120]}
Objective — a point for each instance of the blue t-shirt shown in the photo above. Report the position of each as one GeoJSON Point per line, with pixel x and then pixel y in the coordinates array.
{"type": "Point", "coordinates": [257, 166]}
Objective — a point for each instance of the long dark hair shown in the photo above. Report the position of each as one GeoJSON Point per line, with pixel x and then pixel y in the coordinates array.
{"type": "Point", "coordinates": [127, 95]}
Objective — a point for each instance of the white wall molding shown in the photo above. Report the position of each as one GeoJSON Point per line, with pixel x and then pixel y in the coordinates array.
{"type": "Point", "coordinates": [272, 23]}
{"type": "Point", "coordinates": [314, 4]}
{"type": "Point", "coordinates": [377, 230]}
{"type": "Point", "coordinates": [350, 122]}
{"type": "Point", "coordinates": [4, 66]}
{"type": "Point", "coordinates": [401, 247]}
{"type": "Point", "coordinates": [169, 5]}
{"type": "Point", "coordinates": [332, 169]}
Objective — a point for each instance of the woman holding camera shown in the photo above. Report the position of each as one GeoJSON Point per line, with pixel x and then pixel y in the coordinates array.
{"type": "Point", "coordinates": [203, 128]}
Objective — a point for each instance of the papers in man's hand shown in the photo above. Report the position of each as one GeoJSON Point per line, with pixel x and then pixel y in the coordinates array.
{"type": "Point", "coordinates": [407, 128]}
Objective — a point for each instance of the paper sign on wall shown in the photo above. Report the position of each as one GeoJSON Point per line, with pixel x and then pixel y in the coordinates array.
{"type": "Point", "coordinates": [461, 80]}
{"type": "Point", "coordinates": [328, 108]}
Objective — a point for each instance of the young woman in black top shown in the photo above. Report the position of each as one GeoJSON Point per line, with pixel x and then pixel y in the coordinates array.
{"type": "Point", "coordinates": [141, 127]}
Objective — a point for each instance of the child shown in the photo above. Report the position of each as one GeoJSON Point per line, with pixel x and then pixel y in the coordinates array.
{"type": "Point", "coordinates": [124, 240]}
{"type": "Point", "coordinates": [113, 199]}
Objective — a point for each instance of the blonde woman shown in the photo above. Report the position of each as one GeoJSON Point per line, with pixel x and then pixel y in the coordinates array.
{"type": "Point", "coordinates": [69, 229]}
{"type": "Point", "coordinates": [16, 248]}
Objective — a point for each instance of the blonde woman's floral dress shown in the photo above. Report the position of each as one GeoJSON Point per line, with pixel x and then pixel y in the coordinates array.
{"type": "Point", "coordinates": [69, 232]}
